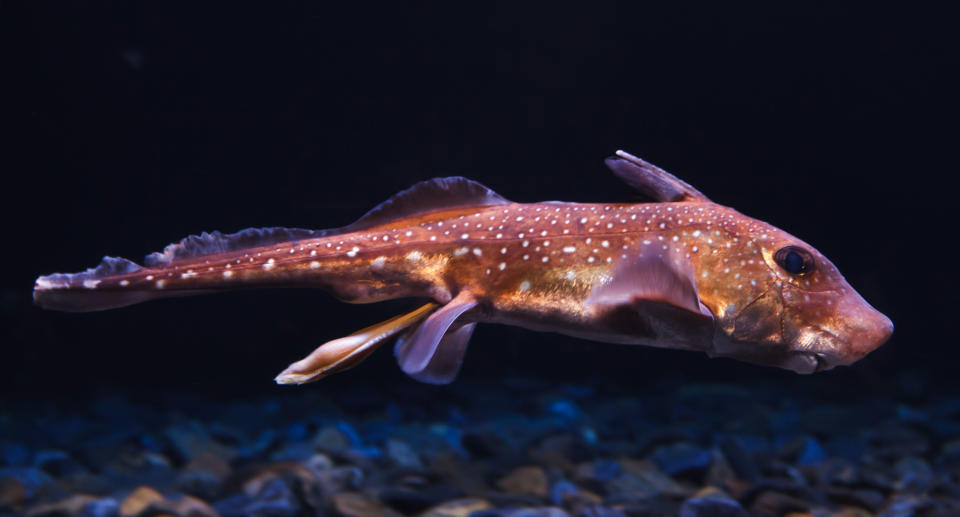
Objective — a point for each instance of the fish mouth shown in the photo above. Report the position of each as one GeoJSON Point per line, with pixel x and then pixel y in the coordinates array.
{"type": "Point", "coordinates": [816, 351]}
{"type": "Point", "coordinates": [806, 363]}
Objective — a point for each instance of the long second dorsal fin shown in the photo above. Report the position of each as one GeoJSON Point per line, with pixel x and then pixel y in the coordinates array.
{"type": "Point", "coordinates": [650, 180]}
{"type": "Point", "coordinates": [426, 196]}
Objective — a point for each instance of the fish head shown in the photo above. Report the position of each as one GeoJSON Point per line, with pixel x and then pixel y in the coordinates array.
{"type": "Point", "coordinates": [788, 306]}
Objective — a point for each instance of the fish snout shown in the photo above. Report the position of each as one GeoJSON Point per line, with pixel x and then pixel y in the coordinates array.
{"type": "Point", "coordinates": [828, 330]}
{"type": "Point", "coordinates": [863, 330]}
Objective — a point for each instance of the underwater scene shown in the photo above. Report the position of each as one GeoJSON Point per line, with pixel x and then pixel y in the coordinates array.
{"type": "Point", "coordinates": [501, 260]}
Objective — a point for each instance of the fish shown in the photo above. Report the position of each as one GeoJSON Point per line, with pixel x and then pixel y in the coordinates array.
{"type": "Point", "coordinates": [673, 270]}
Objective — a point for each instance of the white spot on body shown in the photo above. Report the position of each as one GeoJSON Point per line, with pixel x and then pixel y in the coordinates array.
{"type": "Point", "coordinates": [91, 284]}
{"type": "Point", "coordinates": [269, 264]}
{"type": "Point", "coordinates": [524, 286]}
{"type": "Point", "coordinates": [414, 255]}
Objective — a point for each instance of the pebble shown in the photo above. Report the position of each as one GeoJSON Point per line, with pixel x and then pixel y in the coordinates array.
{"type": "Point", "coordinates": [711, 506]}
{"type": "Point", "coordinates": [561, 491]}
{"type": "Point", "coordinates": [108, 507]}
{"type": "Point", "coordinates": [331, 440]}
{"type": "Point", "coordinates": [355, 504]}
{"type": "Point", "coordinates": [681, 458]}
{"type": "Point", "coordinates": [275, 498]}
{"type": "Point", "coordinates": [190, 439]}
{"type": "Point", "coordinates": [458, 508]}
{"type": "Point", "coordinates": [403, 455]}
{"type": "Point", "coordinates": [181, 506]}
{"type": "Point", "coordinates": [71, 506]}
{"type": "Point", "coordinates": [530, 480]}
{"type": "Point", "coordinates": [12, 493]}
{"type": "Point", "coordinates": [138, 500]}
{"type": "Point", "coordinates": [913, 474]}
{"type": "Point", "coordinates": [204, 476]}
{"type": "Point", "coordinates": [648, 473]}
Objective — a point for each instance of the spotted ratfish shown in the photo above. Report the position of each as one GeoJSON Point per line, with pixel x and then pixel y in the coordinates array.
{"type": "Point", "coordinates": [678, 272]}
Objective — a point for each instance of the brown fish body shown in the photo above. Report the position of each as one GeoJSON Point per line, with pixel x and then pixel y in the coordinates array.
{"type": "Point", "coordinates": [681, 273]}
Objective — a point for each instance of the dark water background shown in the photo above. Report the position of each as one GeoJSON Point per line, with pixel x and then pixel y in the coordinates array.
{"type": "Point", "coordinates": [129, 127]}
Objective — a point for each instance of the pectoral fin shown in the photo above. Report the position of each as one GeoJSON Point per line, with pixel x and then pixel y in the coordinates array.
{"type": "Point", "coordinates": [346, 352]}
{"type": "Point", "coordinates": [655, 296]}
{"type": "Point", "coordinates": [433, 351]}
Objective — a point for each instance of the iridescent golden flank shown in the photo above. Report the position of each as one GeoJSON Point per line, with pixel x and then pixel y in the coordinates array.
{"type": "Point", "coordinates": [677, 272]}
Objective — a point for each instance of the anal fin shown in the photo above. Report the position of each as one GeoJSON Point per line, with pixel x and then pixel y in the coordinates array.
{"type": "Point", "coordinates": [346, 352]}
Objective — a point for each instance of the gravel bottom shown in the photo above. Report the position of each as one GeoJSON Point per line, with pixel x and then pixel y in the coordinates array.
{"type": "Point", "coordinates": [519, 448]}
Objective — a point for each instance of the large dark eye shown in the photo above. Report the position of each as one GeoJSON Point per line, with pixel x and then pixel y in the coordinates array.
{"type": "Point", "coordinates": [794, 260]}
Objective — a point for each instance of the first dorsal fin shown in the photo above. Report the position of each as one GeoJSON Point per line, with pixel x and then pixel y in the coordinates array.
{"type": "Point", "coordinates": [650, 180]}
{"type": "Point", "coordinates": [429, 196]}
